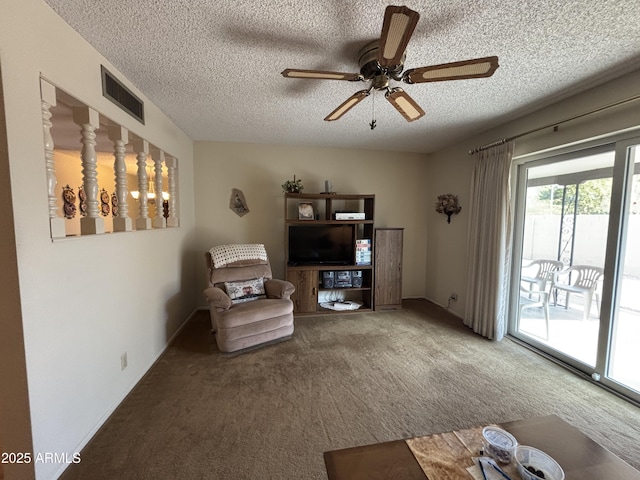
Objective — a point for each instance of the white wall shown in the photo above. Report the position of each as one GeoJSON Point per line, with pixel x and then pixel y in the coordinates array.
{"type": "Point", "coordinates": [450, 172]}
{"type": "Point", "coordinates": [84, 301]}
{"type": "Point", "coordinates": [396, 179]}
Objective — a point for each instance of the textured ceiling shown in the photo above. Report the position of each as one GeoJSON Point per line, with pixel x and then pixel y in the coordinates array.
{"type": "Point", "coordinates": [214, 66]}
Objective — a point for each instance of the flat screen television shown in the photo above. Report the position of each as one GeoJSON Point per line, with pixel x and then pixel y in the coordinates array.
{"type": "Point", "coordinates": [321, 244]}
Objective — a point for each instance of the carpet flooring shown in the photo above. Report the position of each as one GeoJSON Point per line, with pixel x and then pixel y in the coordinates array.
{"type": "Point", "coordinates": [341, 381]}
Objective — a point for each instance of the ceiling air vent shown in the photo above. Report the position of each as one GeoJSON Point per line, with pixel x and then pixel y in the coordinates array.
{"type": "Point", "coordinates": [121, 95]}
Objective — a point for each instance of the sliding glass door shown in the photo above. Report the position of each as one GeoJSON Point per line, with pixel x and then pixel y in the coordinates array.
{"type": "Point", "coordinates": [566, 218]}
{"type": "Point", "coordinates": [624, 344]}
{"type": "Point", "coordinates": [576, 278]}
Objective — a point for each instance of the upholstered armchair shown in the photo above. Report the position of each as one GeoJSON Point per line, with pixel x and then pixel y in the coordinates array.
{"type": "Point", "coordinates": [247, 306]}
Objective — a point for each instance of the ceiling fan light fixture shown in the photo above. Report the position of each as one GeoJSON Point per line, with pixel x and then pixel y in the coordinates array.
{"type": "Point", "coordinates": [347, 105]}
{"type": "Point", "coordinates": [406, 105]}
{"type": "Point", "coordinates": [398, 26]}
{"type": "Point", "coordinates": [383, 60]}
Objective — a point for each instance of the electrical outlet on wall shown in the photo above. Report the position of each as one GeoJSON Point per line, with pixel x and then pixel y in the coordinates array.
{"type": "Point", "coordinates": [123, 361]}
{"type": "Point", "coordinates": [452, 298]}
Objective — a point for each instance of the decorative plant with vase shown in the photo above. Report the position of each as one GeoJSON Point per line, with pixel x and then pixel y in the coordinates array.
{"type": "Point", "coordinates": [293, 186]}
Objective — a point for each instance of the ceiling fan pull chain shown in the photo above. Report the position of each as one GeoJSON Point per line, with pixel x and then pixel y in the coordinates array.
{"type": "Point", "coordinates": [373, 110]}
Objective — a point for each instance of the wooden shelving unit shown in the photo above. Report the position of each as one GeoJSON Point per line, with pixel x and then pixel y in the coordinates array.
{"type": "Point", "coordinates": [388, 268]}
{"type": "Point", "coordinates": [308, 278]}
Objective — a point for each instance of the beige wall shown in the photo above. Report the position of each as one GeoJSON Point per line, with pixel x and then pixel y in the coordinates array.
{"type": "Point", "coordinates": [15, 424]}
{"type": "Point", "coordinates": [83, 301]}
{"type": "Point", "coordinates": [398, 181]}
{"type": "Point", "coordinates": [450, 172]}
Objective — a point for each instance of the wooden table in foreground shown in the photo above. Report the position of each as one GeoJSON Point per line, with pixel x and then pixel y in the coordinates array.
{"type": "Point", "coordinates": [579, 456]}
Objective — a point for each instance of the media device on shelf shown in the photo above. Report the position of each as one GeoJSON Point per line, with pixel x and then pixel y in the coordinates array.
{"type": "Point", "coordinates": [349, 216]}
{"type": "Point", "coordinates": [327, 279]}
{"type": "Point", "coordinates": [321, 245]}
{"type": "Point", "coordinates": [342, 279]}
{"type": "Point", "coordinates": [356, 278]}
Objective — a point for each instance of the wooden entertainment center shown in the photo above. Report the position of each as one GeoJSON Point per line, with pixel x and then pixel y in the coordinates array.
{"type": "Point", "coordinates": [303, 212]}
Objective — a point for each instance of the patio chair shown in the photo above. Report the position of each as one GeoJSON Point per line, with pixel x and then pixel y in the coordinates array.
{"type": "Point", "coordinates": [543, 301]}
{"type": "Point", "coordinates": [582, 279]}
{"type": "Point", "coordinates": [541, 272]}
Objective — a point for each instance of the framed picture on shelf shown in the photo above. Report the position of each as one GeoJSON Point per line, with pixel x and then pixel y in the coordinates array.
{"type": "Point", "coordinates": [305, 211]}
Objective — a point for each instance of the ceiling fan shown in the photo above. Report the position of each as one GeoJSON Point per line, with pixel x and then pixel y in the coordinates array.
{"type": "Point", "coordinates": [382, 60]}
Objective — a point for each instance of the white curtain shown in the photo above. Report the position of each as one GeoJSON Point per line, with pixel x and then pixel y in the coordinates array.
{"type": "Point", "coordinates": [489, 250]}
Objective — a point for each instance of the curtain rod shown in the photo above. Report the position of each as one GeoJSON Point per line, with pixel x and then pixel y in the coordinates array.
{"type": "Point", "coordinates": [555, 124]}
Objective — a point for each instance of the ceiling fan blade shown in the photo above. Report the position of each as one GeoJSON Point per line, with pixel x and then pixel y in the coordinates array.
{"type": "Point", "coordinates": [406, 105]}
{"type": "Point", "coordinates": [475, 68]}
{"type": "Point", "coordinates": [321, 75]}
{"type": "Point", "coordinates": [347, 105]}
{"type": "Point", "coordinates": [398, 26]}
